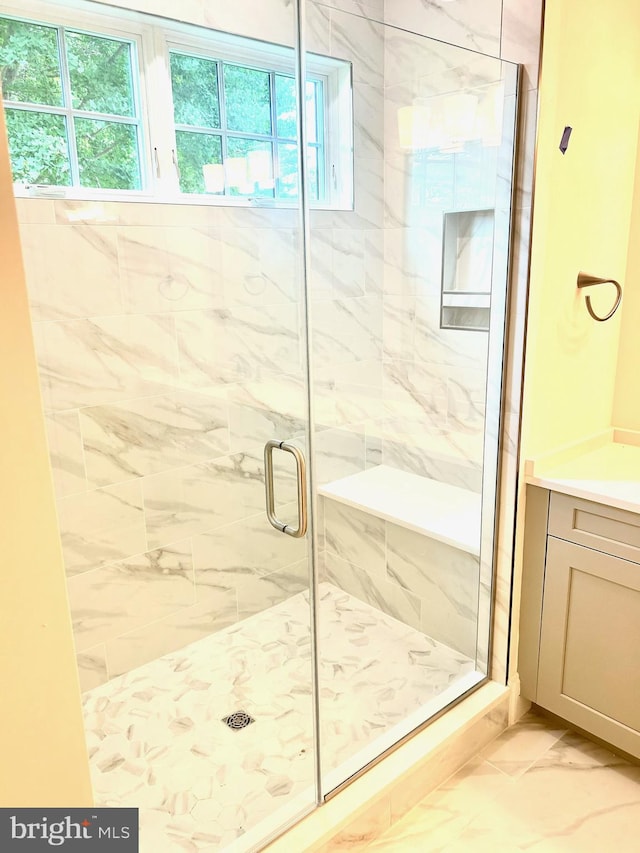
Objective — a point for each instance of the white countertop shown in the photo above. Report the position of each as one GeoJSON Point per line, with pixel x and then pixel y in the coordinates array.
{"type": "Point", "coordinates": [443, 512]}
{"type": "Point", "coordinates": [608, 474]}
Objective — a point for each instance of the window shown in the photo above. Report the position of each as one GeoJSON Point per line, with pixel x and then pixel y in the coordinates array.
{"type": "Point", "coordinates": [236, 129]}
{"type": "Point", "coordinates": [72, 112]}
{"type": "Point", "coordinates": [119, 105]}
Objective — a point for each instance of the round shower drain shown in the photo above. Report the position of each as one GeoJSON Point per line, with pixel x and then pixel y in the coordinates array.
{"type": "Point", "coordinates": [238, 720]}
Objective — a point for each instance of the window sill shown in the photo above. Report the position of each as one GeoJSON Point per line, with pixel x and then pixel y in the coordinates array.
{"type": "Point", "coordinates": [132, 197]}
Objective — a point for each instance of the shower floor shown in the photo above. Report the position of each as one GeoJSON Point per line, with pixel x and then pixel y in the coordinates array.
{"type": "Point", "coordinates": [157, 738]}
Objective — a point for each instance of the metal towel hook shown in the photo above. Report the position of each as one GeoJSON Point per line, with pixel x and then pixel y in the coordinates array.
{"type": "Point", "coordinates": [585, 280]}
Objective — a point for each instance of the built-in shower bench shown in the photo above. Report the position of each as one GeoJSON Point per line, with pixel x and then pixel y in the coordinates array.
{"type": "Point", "coordinates": [446, 513]}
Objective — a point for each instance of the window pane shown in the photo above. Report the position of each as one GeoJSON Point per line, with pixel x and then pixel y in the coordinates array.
{"type": "Point", "coordinates": [38, 147]}
{"type": "Point", "coordinates": [196, 152]}
{"type": "Point", "coordinates": [286, 107]}
{"type": "Point", "coordinates": [29, 63]}
{"type": "Point", "coordinates": [246, 93]}
{"type": "Point", "coordinates": [312, 92]}
{"type": "Point", "coordinates": [287, 171]}
{"type": "Point", "coordinates": [313, 174]}
{"type": "Point", "coordinates": [100, 71]}
{"type": "Point", "coordinates": [195, 91]}
{"type": "Point", "coordinates": [249, 167]}
{"type": "Point", "coordinates": [107, 154]}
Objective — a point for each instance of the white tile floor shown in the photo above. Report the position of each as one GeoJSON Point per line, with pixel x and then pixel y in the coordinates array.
{"type": "Point", "coordinates": [538, 787]}
{"type": "Point", "coordinates": [157, 741]}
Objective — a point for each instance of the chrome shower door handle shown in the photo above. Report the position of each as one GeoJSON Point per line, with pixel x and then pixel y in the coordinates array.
{"type": "Point", "coordinates": [301, 471]}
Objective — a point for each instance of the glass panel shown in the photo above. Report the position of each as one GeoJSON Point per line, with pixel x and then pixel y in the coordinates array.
{"type": "Point", "coordinates": [195, 91]}
{"type": "Point", "coordinates": [288, 171]}
{"type": "Point", "coordinates": [286, 107]}
{"type": "Point", "coordinates": [200, 162]}
{"type": "Point", "coordinates": [171, 353]}
{"type": "Point", "coordinates": [405, 595]}
{"type": "Point", "coordinates": [249, 167]}
{"type": "Point", "coordinates": [107, 154]}
{"type": "Point", "coordinates": [100, 73]}
{"type": "Point", "coordinates": [247, 99]}
{"type": "Point", "coordinates": [29, 63]}
{"type": "Point", "coordinates": [38, 147]}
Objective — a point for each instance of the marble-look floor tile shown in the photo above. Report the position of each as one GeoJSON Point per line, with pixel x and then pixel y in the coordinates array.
{"type": "Point", "coordinates": [519, 747]}
{"type": "Point", "coordinates": [156, 739]}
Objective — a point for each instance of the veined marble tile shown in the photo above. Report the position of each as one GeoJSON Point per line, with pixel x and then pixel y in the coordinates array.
{"type": "Point", "coordinates": [275, 23]}
{"type": "Point", "coordinates": [368, 120]}
{"type": "Point", "coordinates": [101, 526]}
{"type": "Point", "coordinates": [373, 261]}
{"type": "Point", "coordinates": [154, 434]}
{"type": "Point", "coordinates": [346, 330]}
{"type": "Point", "coordinates": [348, 263]}
{"type": "Point", "coordinates": [382, 594]}
{"type": "Point", "coordinates": [115, 599]}
{"type": "Point", "coordinates": [398, 327]}
{"type": "Point", "coordinates": [170, 269]}
{"type": "Point", "coordinates": [462, 348]}
{"type": "Point", "coordinates": [239, 343]}
{"type": "Point", "coordinates": [193, 500]}
{"type": "Point", "coordinates": [473, 24]}
{"type": "Point", "coordinates": [444, 579]}
{"type": "Point", "coordinates": [105, 360]}
{"type": "Point", "coordinates": [360, 41]}
{"type": "Point", "coordinates": [321, 266]}
{"type": "Point", "coordinates": [259, 412]}
{"type": "Point", "coordinates": [248, 548]}
{"type": "Point", "coordinates": [31, 211]}
{"type": "Point", "coordinates": [522, 745]}
{"type": "Point", "coordinates": [357, 537]}
{"type": "Point", "coordinates": [65, 452]}
{"type": "Point", "coordinates": [521, 33]}
{"type": "Point", "coordinates": [318, 32]}
{"type": "Point", "coordinates": [412, 259]}
{"type": "Point", "coordinates": [338, 453]}
{"type": "Point", "coordinates": [261, 266]}
{"type": "Point", "coordinates": [71, 271]}
{"type": "Point", "coordinates": [92, 667]}
{"type": "Point", "coordinates": [415, 391]}
{"type": "Point", "coordinates": [256, 594]}
{"type": "Point", "coordinates": [415, 452]}
{"type": "Point", "coordinates": [172, 633]}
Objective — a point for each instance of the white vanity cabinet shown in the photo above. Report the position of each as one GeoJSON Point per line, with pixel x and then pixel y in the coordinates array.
{"type": "Point", "coordinates": [580, 624]}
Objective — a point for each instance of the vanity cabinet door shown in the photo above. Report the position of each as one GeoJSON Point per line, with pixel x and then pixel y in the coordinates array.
{"type": "Point", "coordinates": [589, 670]}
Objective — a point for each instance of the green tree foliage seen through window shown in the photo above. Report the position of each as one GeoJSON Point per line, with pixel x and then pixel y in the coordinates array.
{"type": "Point", "coordinates": [100, 77]}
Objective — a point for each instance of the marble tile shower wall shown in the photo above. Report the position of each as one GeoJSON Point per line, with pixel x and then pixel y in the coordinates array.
{"type": "Point", "coordinates": [170, 349]}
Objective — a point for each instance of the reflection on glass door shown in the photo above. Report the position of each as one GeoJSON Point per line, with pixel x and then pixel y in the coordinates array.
{"type": "Point", "coordinates": [407, 318]}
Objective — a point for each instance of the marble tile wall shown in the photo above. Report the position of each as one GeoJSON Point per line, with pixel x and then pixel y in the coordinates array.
{"type": "Point", "coordinates": [419, 581]}
{"type": "Point", "coordinates": [170, 347]}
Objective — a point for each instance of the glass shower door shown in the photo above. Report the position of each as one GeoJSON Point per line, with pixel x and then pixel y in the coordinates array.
{"type": "Point", "coordinates": [408, 293]}
{"type": "Point", "coordinates": [161, 234]}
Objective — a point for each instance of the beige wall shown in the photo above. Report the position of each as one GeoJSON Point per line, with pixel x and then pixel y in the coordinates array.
{"type": "Point", "coordinates": [43, 759]}
{"type": "Point", "coordinates": [582, 216]}
{"type": "Point", "coordinates": [582, 219]}
{"type": "Point", "coordinates": [626, 407]}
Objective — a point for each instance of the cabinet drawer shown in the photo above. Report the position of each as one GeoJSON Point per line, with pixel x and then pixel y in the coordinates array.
{"type": "Point", "coordinates": [614, 531]}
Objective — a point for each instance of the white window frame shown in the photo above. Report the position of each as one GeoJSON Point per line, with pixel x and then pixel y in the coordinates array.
{"type": "Point", "coordinates": [153, 38]}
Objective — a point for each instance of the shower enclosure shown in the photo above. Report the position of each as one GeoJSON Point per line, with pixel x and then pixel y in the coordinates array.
{"type": "Point", "coordinates": [266, 249]}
